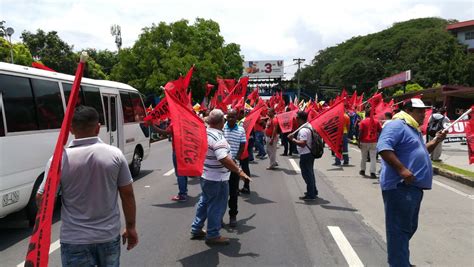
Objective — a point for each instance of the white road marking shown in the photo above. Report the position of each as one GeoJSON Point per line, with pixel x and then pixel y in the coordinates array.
{"type": "Point", "coordinates": [54, 246]}
{"type": "Point", "coordinates": [453, 190]}
{"type": "Point", "coordinates": [168, 173]}
{"type": "Point", "coordinates": [147, 186]}
{"type": "Point", "coordinates": [295, 165]}
{"type": "Point", "coordinates": [355, 149]}
{"type": "Point", "coordinates": [349, 254]}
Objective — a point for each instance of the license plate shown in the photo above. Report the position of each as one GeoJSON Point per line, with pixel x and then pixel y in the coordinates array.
{"type": "Point", "coordinates": [10, 198]}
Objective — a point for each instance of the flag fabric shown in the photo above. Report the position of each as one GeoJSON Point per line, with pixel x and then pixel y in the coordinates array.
{"type": "Point", "coordinates": [38, 248]}
{"type": "Point", "coordinates": [248, 125]}
{"type": "Point", "coordinates": [470, 137]}
{"type": "Point", "coordinates": [39, 65]}
{"type": "Point", "coordinates": [253, 96]}
{"type": "Point", "coordinates": [312, 114]}
{"type": "Point", "coordinates": [187, 78]}
{"type": "Point", "coordinates": [428, 113]}
{"type": "Point", "coordinates": [329, 125]}
{"type": "Point", "coordinates": [208, 88]}
{"type": "Point", "coordinates": [285, 120]}
{"type": "Point", "coordinates": [292, 106]}
{"type": "Point", "coordinates": [189, 138]}
{"type": "Point", "coordinates": [176, 88]}
{"type": "Point", "coordinates": [238, 91]}
{"type": "Point", "coordinates": [159, 113]}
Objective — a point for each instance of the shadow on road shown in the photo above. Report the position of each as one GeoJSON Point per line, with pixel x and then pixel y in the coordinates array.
{"type": "Point", "coordinates": [255, 198]}
{"type": "Point", "coordinates": [210, 257]}
{"type": "Point", "coordinates": [318, 201]}
{"type": "Point", "coordinates": [142, 174]}
{"type": "Point", "coordinates": [242, 226]}
{"type": "Point", "coordinates": [330, 207]}
{"type": "Point", "coordinates": [178, 205]}
{"type": "Point", "coordinates": [288, 172]}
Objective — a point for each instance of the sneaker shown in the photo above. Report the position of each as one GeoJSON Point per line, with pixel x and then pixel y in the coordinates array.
{"type": "Point", "coordinates": [306, 198]}
{"type": "Point", "coordinates": [361, 172]}
{"type": "Point", "coordinates": [198, 235]}
{"type": "Point", "coordinates": [179, 198]}
{"type": "Point", "coordinates": [245, 190]}
{"type": "Point", "coordinates": [263, 157]}
{"type": "Point", "coordinates": [233, 221]}
{"type": "Point", "coordinates": [220, 240]}
{"type": "Point", "coordinates": [273, 167]}
{"type": "Point", "coordinates": [373, 176]}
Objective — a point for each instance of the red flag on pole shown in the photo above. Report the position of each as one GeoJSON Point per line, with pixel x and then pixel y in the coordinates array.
{"type": "Point", "coordinates": [38, 65]}
{"type": "Point", "coordinates": [159, 113]}
{"type": "Point", "coordinates": [187, 78]}
{"type": "Point", "coordinates": [253, 96]}
{"type": "Point", "coordinates": [208, 88]}
{"type": "Point", "coordinates": [329, 124]}
{"type": "Point", "coordinates": [176, 88]}
{"type": "Point", "coordinates": [470, 137]}
{"type": "Point", "coordinates": [189, 138]}
{"type": "Point", "coordinates": [248, 125]}
{"type": "Point", "coordinates": [38, 249]}
{"type": "Point", "coordinates": [428, 112]}
{"type": "Point", "coordinates": [238, 91]}
{"type": "Point", "coordinates": [285, 120]}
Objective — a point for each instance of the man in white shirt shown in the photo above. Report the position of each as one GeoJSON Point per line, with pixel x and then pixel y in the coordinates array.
{"type": "Point", "coordinates": [303, 142]}
{"type": "Point", "coordinates": [215, 183]}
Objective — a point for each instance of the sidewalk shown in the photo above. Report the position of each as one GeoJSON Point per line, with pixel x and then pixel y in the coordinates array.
{"type": "Point", "coordinates": [455, 155]}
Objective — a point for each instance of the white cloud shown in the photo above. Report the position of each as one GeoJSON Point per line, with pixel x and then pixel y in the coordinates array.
{"type": "Point", "coordinates": [264, 29]}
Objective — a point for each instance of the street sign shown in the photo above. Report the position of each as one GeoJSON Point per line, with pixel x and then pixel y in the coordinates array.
{"type": "Point", "coordinates": [263, 69]}
{"type": "Point", "coordinates": [395, 79]}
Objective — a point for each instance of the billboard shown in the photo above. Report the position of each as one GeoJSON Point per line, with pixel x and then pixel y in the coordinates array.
{"type": "Point", "coordinates": [263, 69]}
{"type": "Point", "coordinates": [395, 79]}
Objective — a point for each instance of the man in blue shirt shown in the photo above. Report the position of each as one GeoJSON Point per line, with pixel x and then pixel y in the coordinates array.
{"type": "Point", "coordinates": [406, 172]}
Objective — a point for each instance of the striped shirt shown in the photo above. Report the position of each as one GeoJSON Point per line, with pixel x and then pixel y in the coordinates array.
{"type": "Point", "coordinates": [217, 149]}
{"type": "Point", "coordinates": [235, 136]}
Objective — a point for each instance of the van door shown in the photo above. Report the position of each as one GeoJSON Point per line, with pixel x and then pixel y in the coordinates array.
{"type": "Point", "coordinates": [111, 113]}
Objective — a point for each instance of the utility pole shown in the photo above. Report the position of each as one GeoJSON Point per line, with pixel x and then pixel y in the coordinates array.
{"type": "Point", "coordinates": [299, 61]}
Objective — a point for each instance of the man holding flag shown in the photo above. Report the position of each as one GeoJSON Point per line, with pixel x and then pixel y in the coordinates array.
{"type": "Point", "coordinates": [93, 173]}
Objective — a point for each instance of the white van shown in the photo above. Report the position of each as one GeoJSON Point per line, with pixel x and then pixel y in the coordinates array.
{"type": "Point", "coordinates": [32, 107]}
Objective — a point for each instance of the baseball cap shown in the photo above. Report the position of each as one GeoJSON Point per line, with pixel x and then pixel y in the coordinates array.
{"type": "Point", "coordinates": [416, 103]}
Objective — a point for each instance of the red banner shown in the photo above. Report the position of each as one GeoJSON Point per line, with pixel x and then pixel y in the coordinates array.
{"type": "Point", "coordinates": [470, 137]}
{"type": "Point", "coordinates": [238, 91]}
{"type": "Point", "coordinates": [38, 249]}
{"type": "Point", "coordinates": [189, 138]}
{"type": "Point", "coordinates": [159, 113]}
{"type": "Point", "coordinates": [312, 114]}
{"type": "Point", "coordinates": [38, 65]}
{"type": "Point", "coordinates": [329, 124]}
{"type": "Point", "coordinates": [208, 88]}
{"type": "Point", "coordinates": [176, 88]}
{"type": "Point", "coordinates": [248, 125]}
{"type": "Point", "coordinates": [285, 120]}
{"type": "Point", "coordinates": [428, 112]}
{"type": "Point", "coordinates": [253, 96]}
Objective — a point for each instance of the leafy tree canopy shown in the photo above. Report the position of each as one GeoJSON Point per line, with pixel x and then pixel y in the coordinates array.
{"type": "Point", "coordinates": [421, 45]}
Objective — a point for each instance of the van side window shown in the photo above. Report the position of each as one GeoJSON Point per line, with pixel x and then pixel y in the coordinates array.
{"type": "Point", "coordinates": [67, 87]}
{"type": "Point", "coordinates": [127, 107]}
{"type": "Point", "coordinates": [92, 99]}
{"type": "Point", "coordinates": [2, 127]}
{"type": "Point", "coordinates": [20, 111]}
{"type": "Point", "coordinates": [49, 104]}
{"type": "Point", "coordinates": [138, 108]}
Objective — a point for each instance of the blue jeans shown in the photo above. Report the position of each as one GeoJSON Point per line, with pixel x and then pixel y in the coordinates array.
{"type": "Point", "coordinates": [402, 206]}
{"type": "Point", "coordinates": [182, 180]}
{"type": "Point", "coordinates": [211, 206]}
{"type": "Point", "coordinates": [101, 254]}
{"type": "Point", "coordinates": [259, 143]}
{"type": "Point", "coordinates": [250, 148]}
{"type": "Point", "coordinates": [307, 171]}
{"type": "Point", "coordinates": [345, 151]}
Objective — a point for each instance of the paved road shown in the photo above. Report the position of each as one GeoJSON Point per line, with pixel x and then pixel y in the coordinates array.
{"type": "Point", "coordinates": [344, 227]}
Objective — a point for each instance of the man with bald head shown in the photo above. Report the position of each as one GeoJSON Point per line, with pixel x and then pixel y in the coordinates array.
{"type": "Point", "coordinates": [235, 136]}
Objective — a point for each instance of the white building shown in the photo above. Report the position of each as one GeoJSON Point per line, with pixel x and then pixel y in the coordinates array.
{"type": "Point", "coordinates": [464, 31]}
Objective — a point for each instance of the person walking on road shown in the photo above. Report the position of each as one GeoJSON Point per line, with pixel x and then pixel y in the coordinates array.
{"type": "Point", "coordinates": [93, 175]}
{"type": "Point", "coordinates": [345, 142]}
{"type": "Point", "coordinates": [235, 136]}
{"type": "Point", "coordinates": [436, 123]}
{"type": "Point", "coordinates": [214, 183]}
{"type": "Point", "coordinates": [271, 138]}
{"type": "Point", "coordinates": [406, 172]}
{"type": "Point", "coordinates": [369, 130]}
{"type": "Point", "coordinates": [303, 142]}
{"type": "Point", "coordinates": [259, 139]}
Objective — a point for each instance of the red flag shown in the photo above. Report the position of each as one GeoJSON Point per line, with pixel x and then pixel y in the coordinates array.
{"type": "Point", "coordinates": [39, 65]}
{"type": "Point", "coordinates": [253, 96]}
{"type": "Point", "coordinates": [329, 124]}
{"type": "Point", "coordinates": [159, 113]}
{"type": "Point", "coordinates": [292, 106]}
{"type": "Point", "coordinates": [38, 249]}
{"type": "Point", "coordinates": [176, 88]}
{"type": "Point", "coordinates": [428, 113]}
{"type": "Point", "coordinates": [187, 78]}
{"type": "Point", "coordinates": [470, 137]}
{"type": "Point", "coordinates": [248, 125]}
{"type": "Point", "coordinates": [189, 138]}
{"type": "Point", "coordinates": [238, 91]}
{"type": "Point", "coordinates": [285, 120]}
{"type": "Point", "coordinates": [375, 100]}
{"type": "Point", "coordinates": [208, 88]}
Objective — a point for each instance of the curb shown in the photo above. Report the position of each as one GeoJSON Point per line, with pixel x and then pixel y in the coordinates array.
{"type": "Point", "coordinates": [453, 176]}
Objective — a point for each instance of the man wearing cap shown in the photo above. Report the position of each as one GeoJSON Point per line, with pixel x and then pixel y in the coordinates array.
{"type": "Point", "coordinates": [406, 172]}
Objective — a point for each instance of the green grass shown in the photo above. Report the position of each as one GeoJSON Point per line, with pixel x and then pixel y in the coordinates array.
{"type": "Point", "coordinates": [463, 172]}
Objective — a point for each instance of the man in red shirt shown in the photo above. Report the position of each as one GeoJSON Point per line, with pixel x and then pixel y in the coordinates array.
{"type": "Point", "coordinates": [369, 130]}
{"type": "Point", "coordinates": [271, 138]}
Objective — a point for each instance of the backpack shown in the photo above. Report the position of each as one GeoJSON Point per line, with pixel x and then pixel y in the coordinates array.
{"type": "Point", "coordinates": [434, 126]}
{"type": "Point", "coordinates": [317, 145]}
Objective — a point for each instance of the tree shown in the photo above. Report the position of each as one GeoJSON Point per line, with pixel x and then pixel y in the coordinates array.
{"type": "Point", "coordinates": [165, 51]}
{"type": "Point", "coordinates": [21, 54]}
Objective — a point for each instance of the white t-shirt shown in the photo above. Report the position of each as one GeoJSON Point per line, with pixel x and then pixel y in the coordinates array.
{"type": "Point", "coordinates": [217, 148]}
{"type": "Point", "coordinates": [304, 134]}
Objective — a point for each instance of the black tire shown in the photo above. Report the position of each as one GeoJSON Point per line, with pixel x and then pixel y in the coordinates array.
{"type": "Point", "coordinates": [136, 163]}
{"type": "Point", "coordinates": [31, 207]}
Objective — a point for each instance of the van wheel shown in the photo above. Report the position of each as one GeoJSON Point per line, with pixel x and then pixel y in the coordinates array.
{"type": "Point", "coordinates": [32, 208]}
{"type": "Point", "coordinates": [136, 163]}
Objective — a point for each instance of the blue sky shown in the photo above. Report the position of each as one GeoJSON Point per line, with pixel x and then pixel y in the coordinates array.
{"type": "Point", "coordinates": [264, 29]}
